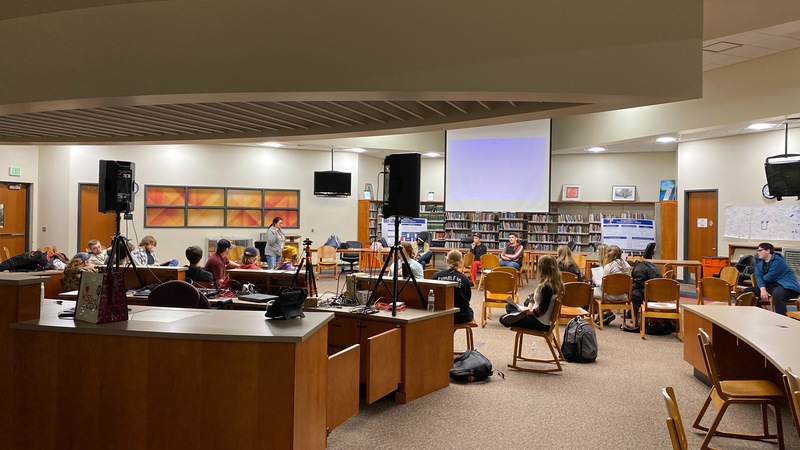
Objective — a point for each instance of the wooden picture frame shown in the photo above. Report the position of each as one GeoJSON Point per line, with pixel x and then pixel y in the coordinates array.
{"type": "Point", "coordinates": [571, 193]}
{"type": "Point", "coordinates": [623, 193]}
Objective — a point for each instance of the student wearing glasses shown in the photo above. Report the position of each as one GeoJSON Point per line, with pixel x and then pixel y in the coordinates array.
{"type": "Point", "coordinates": [774, 277]}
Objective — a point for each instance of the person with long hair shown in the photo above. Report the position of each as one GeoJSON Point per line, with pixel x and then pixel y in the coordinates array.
{"type": "Point", "coordinates": [250, 259]}
{"type": "Point", "coordinates": [275, 242]}
{"type": "Point", "coordinates": [463, 293]}
{"type": "Point", "coordinates": [79, 263]}
{"type": "Point", "coordinates": [537, 313]}
{"type": "Point", "coordinates": [566, 263]}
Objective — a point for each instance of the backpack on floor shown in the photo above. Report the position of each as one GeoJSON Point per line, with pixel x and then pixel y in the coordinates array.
{"type": "Point", "coordinates": [580, 342]}
{"type": "Point", "coordinates": [471, 366]}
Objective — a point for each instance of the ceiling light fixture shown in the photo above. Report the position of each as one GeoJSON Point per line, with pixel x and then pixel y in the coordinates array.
{"type": "Point", "coordinates": [271, 144]}
{"type": "Point", "coordinates": [596, 149]}
{"type": "Point", "coordinates": [666, 139]}
{"type": "Point", "coordinates": [357, 150]}
{"type": "Point", "coordinates": [760, 126]}
{"type": "Point", "coordinates": [432, 155]}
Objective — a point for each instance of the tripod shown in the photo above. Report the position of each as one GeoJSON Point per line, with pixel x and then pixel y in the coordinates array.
{"type": "Point", "coordinates": [311, 282]}
{"type": "Point", "coordinates": [393, 256]}
{"type": "Point", "coordinates": [119, 244]}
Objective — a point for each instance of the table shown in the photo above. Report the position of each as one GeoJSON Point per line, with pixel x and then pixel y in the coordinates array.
{"type": "Point", "coordinates": [695, 266]}
{"type": "Point", "coordinates": [146, 382]}
{"type": "Point", "coordinates": [749, 342]}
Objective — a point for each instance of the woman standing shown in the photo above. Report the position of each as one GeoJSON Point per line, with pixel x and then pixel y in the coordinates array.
{"type": "Point", "coordinates": [538, 313]}
{"type": "Point", "coordinates": [275, 243]}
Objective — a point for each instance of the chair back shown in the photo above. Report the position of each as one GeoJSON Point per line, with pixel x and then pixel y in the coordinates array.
{"type": "Point", "coordinates": [650, 250]}
{"type": "Point", "coordinates": [499, 283]}
{"type": "Point", "coordinates": [177, 294]}
{"type": "Point", "coordinates": [674, 423]}
{"type": "Point", "coordinates": [580, 260]}
{"type": "Point", "coordinates": [429, 273]}
{"type": "Point", "coordinates": [509, 270]}
{"type": "Point", "coordinates": [730, 274]}
{"type": "Point", "coordinates": [568, 277]}
{"type": "Point", "coordinates": [577, 294]}
{"type": "Point", "coordinates": [351, 256]}
{"type": "Point", "coordinates": [616, 284]}
{"type": "Point", "coordinates": [669, 269]}
{"type": "Point", "coordinates": [554, 314]}
{"type": "Point", "coordinates": [792, 384]}
{"type": "Point", "coordinates": [747, 299]}
{"type": "Point", "coordinates": [713, 290]}
{"type": "Point", "coordinates": [326, 253]}
{"type": "Point", "coordinates": [662, 290]}
{"type": "Point", "coordinates": [669, 274]}
{"type": "Point", "coordinates": [468, 260]}
{"type": "Point", "coordinates": [489, 261]}
{"type": "Point", "coordinates": [711, 362]}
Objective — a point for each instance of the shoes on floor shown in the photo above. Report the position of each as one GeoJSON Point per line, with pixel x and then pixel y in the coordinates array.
{"type": "Point", "coordinates": [608, 317]}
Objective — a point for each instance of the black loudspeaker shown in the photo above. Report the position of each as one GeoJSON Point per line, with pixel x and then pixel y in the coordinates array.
{"type": "Point", "coordinates": [116, 186]}
{"type": "Point", "coordinates": [401, 185]}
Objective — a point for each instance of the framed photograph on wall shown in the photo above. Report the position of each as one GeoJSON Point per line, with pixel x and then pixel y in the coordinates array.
{"type": "Point", "coordinates": [571, 193]}
{"type": "Point", "coordinates": [623, 193]}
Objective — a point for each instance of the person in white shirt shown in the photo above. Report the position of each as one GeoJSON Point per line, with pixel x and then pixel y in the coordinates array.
{"type": "Point", "coordinates": [416, 268]}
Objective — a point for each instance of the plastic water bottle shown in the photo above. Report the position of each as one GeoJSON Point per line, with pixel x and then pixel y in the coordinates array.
{"type": "Point", "coordinates": [431, 301]}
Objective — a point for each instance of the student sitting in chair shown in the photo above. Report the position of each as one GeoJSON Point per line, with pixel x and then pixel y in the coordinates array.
{"type": "Point", "coordinates": [72, 274]}
{"type": "Point", "coordinates": [774, 277]}
{"type": "Point", "coordinates": [512, 255]}
{"type": "Point", "coordinates": [416, 268]}
{"type": "Point", "coordinates": [250, 259]}
{"type": "Point", "coordinates": [424, 252]}
{"type": "Point", "coordinates": [145, 256]}
{"type": "Point", "coordinates": [196, 273]}
{"type": "Point", "coordinates": [290, 259]}
{"type": "Point", "coordinates": [463, 293]}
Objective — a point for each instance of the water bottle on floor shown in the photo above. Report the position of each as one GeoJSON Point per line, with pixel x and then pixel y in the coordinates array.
{"type": "Point", "coordinates": [431, 301]}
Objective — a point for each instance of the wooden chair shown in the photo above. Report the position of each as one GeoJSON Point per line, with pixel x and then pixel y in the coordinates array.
{"type": "Point", "coordinates": [669, 269]}
{"type": "Point", "coordinates": [8, 255]}
{"type": "Point", "coordinates": [326, 259]}
{"type": "Point", "coordinates": [746, 299]}
{"type": "Point", "coordinates": [728, 392]}
{"type": "Point", "coordinates": [549, 338]}
{"type": "Point", "coordinates": [466, 265]}
{"type": "Point", "coordinates": [670, 275]}
{"type": "Point", "coordinates": [615, 284]}
{"type": "Point", "coordinates": [513, 272]}
{"type": "Point", "coordinates": [662, 298]}
{"type": "Point", "coordinates": [792, 384]}
{"type": "Point", "coordinates": [674, 423]}
{"type": "Point", "coordinates": [498, 287]}
{"type": "Point", "coordinates": [731, 275]}
{"type": "Point", "coordinates": [713, 290]}
{"type": "Point", "coordinates": [467, 327]}
{"type": "Point", "coordinates": [580, 260]}
{"type": "Point", "coordinates": [429, 273]}
{"type": "Point", "coordinates": [569, 277]}
{"type": "Point", "coordinates": [576, 296]}
{"type": "Point", "coordinates": [488, 262]}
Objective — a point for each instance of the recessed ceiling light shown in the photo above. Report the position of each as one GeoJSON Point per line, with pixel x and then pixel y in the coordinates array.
{"type": "Point", "coordinates": [432, 155]}
{"type": "Point", "coordinates": [357, 150]}
{"type": "Point", "coordinates": [596, 149]}
{"type": "Point", "coordinates": [760, 126]}
{"type": "Point", "coordinates": [666, 139]}
{"type": "Point", "coordinates": [271, 144]}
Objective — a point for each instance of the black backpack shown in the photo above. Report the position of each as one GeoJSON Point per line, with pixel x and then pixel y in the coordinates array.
{"type": "Point", "coordinates": [471, 366]}
{"type": "Point", "coordinates": [580, 342]}
{"type": "Point", "coordinates": [25, 262]}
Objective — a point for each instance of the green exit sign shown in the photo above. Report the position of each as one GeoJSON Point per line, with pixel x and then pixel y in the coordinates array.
{"type": "Point", "coordinates": [15, 171]}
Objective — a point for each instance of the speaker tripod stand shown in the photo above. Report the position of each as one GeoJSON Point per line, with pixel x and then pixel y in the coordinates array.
{"type": "Point", "coordinates": [119, 244]}
{"type": "Point", "coordinates": [394, 251]}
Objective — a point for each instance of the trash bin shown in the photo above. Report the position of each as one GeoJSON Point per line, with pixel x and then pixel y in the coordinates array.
{"type": "Point", "coordinates": [713, 264]}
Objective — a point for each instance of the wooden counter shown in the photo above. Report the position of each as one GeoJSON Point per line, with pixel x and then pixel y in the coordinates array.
{"type": "Point", "coordinates": [444, 291]}
{"type": "Point", "coordinates": [170, 378]}
{"type": "Point", "coordinates": [750, 342]}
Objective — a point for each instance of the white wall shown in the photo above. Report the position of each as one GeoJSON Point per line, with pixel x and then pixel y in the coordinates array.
{"type": "Point", "coordinates": [734, 166]}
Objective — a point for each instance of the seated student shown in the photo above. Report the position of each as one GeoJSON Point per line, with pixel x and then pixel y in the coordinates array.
{"type": "Point", "coordinates": [416, 268]}
{"type": "Point", "coordinates": [612, 262]}
{"type": "Point", "coordinates": [512, 255]}
{"type": "Point", "coordinates": [218, 261]}
{"type": "Point", "coordinates": [96, 253]}
{"type": "Point", "coordinates": [290, 259]}
{"type": "Point", "coordinates": [250, 259]}
{"type": "Point", "coordinates": [463, 293]}
{"type": "Point", "coordinates": [196, 273]}
{"type": "Point", "coordinates": [121, 253]}
{"type": "Point", "coordinates": [774, 277]}
{"type": "Point", "coordinates": [72, 273]}
{"type": "Point", "coordinates": [478, 249]}
{"type": "Point", "coordinates": [424, 252]}
{"type": "Point", "coordinates": [537, 314]}
{"type": "Point", "coordinates": [566, 263]}
{"type": "Point", "coordinates": [145, 256]}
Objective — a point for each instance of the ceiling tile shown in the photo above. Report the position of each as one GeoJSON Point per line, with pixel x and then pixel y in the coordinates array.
{"type": "Point", "coordinates": [779, 43]}
{"type": "Point", "coordinates": [749, 51]}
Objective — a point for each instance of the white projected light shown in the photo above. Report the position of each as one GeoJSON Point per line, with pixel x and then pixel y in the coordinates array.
{"type": "Point", "coordinates": [499, 168]}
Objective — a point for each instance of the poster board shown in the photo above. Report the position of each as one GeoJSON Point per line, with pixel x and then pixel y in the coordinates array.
{"type": "Point", "coordinates": [763, 223]}
{"type": "Point", "coordinates": [628, 234]}
{"type": "Point", "coordinates": [409, 228]}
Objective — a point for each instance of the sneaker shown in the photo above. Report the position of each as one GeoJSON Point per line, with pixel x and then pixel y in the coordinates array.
{"type": "Point", "coordinates": [471, 284]}
{"type": "Point", "coordinates": [512, 318]}
{"type": "Point", "coordinates": [608, 317]}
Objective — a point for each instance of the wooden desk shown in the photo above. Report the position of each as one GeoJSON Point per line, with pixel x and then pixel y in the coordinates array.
{"type": "Point", "coordinates": [146, 382]}
{"type": "Point", "coordinates": [19, 300]}
{"type": "Point", "coordinates": [695, 266]}
{"type": "Point", "coordinates": [52, 281]}
{"type": "Point", "coordinates": [444, 291]}
{"type": "Point", "coordinates": [153, 275]}
{"type": "Point", "coordinates": [749, 342]}
{"type": "Point", "coordinates": [270, 281]}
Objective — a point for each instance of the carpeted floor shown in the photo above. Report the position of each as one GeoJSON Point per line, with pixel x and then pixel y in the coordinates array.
{"type": "Point", "coordinates": [614, 403]}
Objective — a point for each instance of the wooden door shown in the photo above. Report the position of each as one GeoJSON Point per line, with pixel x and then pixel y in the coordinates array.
{"type": "Point", "coordinates": [701, 224]}
{"type": "Point", "coordinates": [93, 224]}
{"type": "Point", "coordinates": [14, 218]}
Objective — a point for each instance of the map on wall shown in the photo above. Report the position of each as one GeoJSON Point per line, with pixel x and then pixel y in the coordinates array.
{"type": "Point", "coordinates": [763, 223]}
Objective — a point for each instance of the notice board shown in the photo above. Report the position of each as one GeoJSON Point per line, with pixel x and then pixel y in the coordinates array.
{"type": "Point", "coordinates": [628, 234]}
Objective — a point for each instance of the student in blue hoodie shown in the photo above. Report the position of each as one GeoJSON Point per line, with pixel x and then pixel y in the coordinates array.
{"type": "Point", "coordinates": [774, 277]}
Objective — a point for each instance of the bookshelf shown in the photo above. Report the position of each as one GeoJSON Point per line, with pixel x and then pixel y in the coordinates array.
{"type": "Point", "coordinates": [488, 225]}
{"type": "Point", "coordinates": [434, 213]}
{"type": "Point", "coordinates": [369, 220]}
{"type": "Point", "coordinates": [580, 221]}
{"type": "Point", "coordinates": [457, 225]}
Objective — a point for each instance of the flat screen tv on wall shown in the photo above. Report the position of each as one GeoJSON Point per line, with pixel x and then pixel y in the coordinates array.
{"type": "Point", "coordinates": [331, 183]}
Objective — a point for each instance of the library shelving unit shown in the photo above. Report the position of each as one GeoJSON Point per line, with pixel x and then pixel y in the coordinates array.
{"type": "Point", "coordinates": [457, 225]}
{"type": "Point", "coordinates": [369, 220]}
{"type": "Point", "coordinates": [434, 212]}
{"type": "Point", "coordinates": [512, 222]}
{"type": "Point", "coordinates": [487, 225]}
{"type": "Point", "coordinates": [580, 221]}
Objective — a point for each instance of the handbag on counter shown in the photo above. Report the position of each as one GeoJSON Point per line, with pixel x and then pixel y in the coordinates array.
{"type": "Point", "coordinates": [101, 298]}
